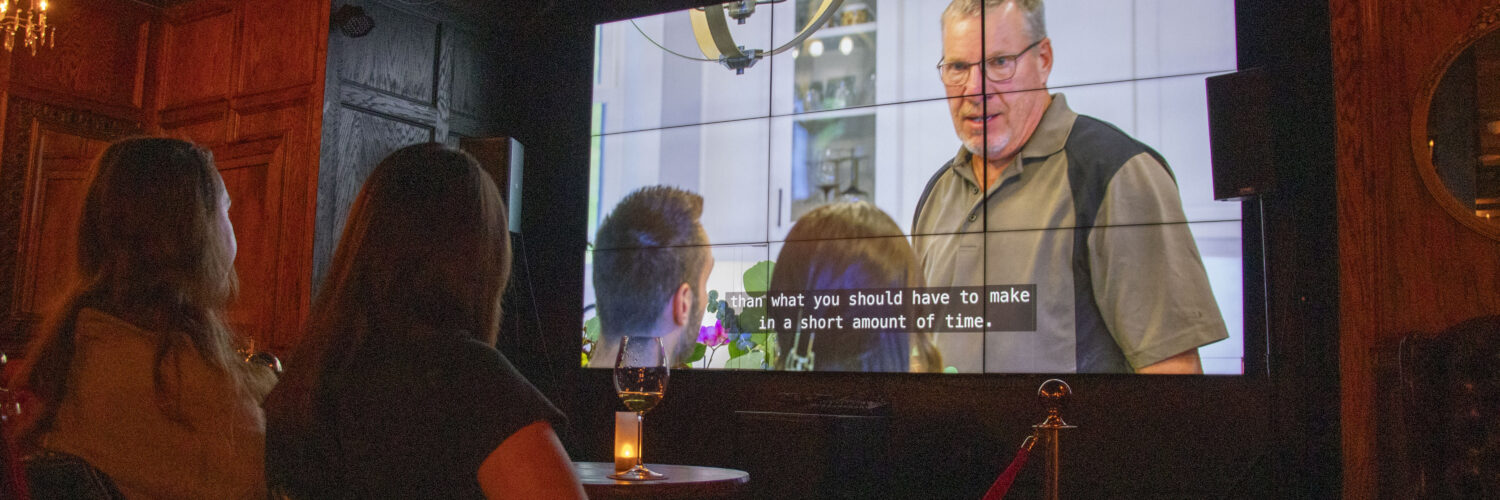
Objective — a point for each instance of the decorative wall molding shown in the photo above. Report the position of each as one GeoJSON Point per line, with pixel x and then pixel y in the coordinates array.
{"type": "Point", "coordinates": [19, 189]}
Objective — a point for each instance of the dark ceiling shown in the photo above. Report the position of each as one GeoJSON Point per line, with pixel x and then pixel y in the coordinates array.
{"type": "Point", "coordinates": [527, 12]}
{"type": "Point", "coordinates": [497, 10]}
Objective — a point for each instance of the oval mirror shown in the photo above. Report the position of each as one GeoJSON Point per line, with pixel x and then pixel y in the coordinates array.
{"type": "Point", "coordinates": [1456, 129]}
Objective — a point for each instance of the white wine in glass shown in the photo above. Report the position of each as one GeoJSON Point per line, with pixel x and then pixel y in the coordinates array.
{"type": "Point", "coordinates": [640, 379]}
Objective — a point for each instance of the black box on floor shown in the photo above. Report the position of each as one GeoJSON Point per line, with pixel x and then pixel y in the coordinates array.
{"type": "Point", "coordinates": [810, 455]}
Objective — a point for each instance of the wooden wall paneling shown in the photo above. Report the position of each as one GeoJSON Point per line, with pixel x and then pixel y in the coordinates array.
{"type": "Point", "coordinates": [1357, 287]}
{"type": "Point", "coordinates": [397, 57]}
{"type": "Point", "coordinates": [442, 99]}
{"type": "Point", "coordinates": [198, 50]}
{"type": "Point", "coordinates": [98, 63]}
{"type": "Point", "coordinates": [274, 126]}
{"type": "Point", "coordinates": [487, 126]}
{"type": "Point", "coordinates": [234, 76]}
{"type": "Point", "coordinates": [279, 38]}
{"type": "Point", "coordinates": [252, 175]}
{"type": "Point", "coordinates": [1406, 265]}
{"type": "Point", "coordinates": [392, 88]}
{"type": "Point", "coordinates": [375, 101]}
{"type": "Point", "coordinates": [250, 91]}
{"type": "Point", "coordinates": [1424, 241]}
{"type": "Point", "coordinates": [473, 78]}
{"type": "Point", "coordinates": [45, 156]}
{"type": "Point", "coordinates": [206, 123]}
{"type": "Point", "coordinates": [365, 138]}
{"type": "Point", "coordinates": [60, 170]}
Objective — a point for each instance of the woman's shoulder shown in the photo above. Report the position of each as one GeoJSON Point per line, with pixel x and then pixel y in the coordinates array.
{"type": "Point", "coordinates": [94, 324]}
{"type": "Point", "coordinates": [465, 358]}
{"type": "Point", "coordinates": [100, 334]}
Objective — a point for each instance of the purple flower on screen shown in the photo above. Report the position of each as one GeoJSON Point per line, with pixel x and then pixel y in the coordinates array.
{"type": "Point", "coordinates": [713, 336]}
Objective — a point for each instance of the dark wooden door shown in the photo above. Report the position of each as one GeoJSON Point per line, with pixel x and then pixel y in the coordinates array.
{"type": "Point", "coordinates": [420, 75]}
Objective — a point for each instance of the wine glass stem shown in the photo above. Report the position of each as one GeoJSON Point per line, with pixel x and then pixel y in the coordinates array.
{"type": "Point", "coordinates": [640, 426]}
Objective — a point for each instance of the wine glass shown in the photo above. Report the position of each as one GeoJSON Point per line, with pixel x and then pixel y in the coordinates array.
{"type": "Point", "coordinates": [640, 378]}
{"type": "Point", "coordinates": [854, 193]}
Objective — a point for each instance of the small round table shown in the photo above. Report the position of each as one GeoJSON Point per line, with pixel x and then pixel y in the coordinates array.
{"type": "Point", "coordinates": [683, 481]}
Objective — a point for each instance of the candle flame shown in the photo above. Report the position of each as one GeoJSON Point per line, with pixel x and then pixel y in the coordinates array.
{"type": "Point", "coordinates": [44, 4]}
{"type": "Point", "coordinates": [627, 451]}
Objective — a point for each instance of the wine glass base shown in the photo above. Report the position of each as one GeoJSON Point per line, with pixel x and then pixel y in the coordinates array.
{"type": "Point", "coordinates": [638, 473]}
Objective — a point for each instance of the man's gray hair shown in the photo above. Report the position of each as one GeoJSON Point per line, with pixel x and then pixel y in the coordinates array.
{"type": "Point", "coordinates": [1036, 23]}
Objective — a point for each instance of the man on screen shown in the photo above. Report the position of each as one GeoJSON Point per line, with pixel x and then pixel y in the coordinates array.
{"type": "Point", "coordinates": [651, 264]}
{"type": "Point", "coordinates": [1041, 195]}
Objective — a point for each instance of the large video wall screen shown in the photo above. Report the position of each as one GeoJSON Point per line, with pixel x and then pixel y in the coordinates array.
{"type": "Point", "coordinates": [915, 186]}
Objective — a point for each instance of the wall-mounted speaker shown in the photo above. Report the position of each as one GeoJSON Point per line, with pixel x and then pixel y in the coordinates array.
{"type": "Point", "coordinates": [352, 21]}
{"type": "Point", "coordinates": [503, 158]}
{"type": "Point", "coordinates": [1239, 130]}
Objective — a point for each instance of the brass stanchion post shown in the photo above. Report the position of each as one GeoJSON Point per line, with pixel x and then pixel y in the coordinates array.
{"type": "Point", "coordinates": [1054, 394]}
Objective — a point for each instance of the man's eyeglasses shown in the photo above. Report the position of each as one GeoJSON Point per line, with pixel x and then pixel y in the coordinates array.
{"type": "Point", "coordinates": [996, 68]}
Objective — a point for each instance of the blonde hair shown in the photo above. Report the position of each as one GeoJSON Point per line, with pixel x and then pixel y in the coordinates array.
{"type": "Point", "coordinates": [848, 246]}
{"type": "Point", "coordinates": [150, 251]}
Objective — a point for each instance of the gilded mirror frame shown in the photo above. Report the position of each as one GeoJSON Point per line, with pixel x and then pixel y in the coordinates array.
{"type": "Point", "coordinates": [1486, 23]}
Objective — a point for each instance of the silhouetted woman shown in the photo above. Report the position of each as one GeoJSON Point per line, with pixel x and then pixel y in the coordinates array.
{"type": "Point", "coordinates": [397, 391]}
{"type": "Point", "coordinates": [137, 372]}
{"type": "Point", "coordinates": [837, 249]}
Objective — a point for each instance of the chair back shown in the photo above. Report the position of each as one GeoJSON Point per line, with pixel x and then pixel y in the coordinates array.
{"type": "Point", "coordinates": [44, 474]}
{"type": "Point", "coordinates": [53, 474]}
{"type": "Point", "coordinates": [1440, 414]}
{"type": "Point", "coordinates": [11, 479]}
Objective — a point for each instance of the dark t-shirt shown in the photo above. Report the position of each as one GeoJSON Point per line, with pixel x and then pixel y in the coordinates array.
{"type": "Point", "coordinates": [408, 423]}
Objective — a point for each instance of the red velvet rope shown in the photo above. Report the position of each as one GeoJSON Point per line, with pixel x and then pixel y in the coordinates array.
{"type": "Point", "coordinates": [1002, 484]}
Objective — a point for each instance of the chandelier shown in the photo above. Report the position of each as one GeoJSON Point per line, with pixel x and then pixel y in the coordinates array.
{"type": "Point", "coordinates": [28, 22]}
{"type": "Point", "coordinates": [711, 29]}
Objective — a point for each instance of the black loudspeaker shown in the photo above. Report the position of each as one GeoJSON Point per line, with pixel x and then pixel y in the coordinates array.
{"type": "Point", "coordinates": [352, 21]}
{"type": "Point", "coordinates": [1239, 131]}
{"type": "Point", "coordinates": [503, 158]}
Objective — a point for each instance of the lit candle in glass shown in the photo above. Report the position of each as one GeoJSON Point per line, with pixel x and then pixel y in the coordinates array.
{"type": "Point", "coordinates": [627, 440]}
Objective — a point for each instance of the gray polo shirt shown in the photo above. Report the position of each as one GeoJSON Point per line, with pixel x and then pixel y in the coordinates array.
{"type": "Point", "coordinates": [1092, 218]}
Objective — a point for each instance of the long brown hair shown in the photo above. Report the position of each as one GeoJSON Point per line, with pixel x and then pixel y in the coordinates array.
{"type": "Point", "coordinates": [424, 252]}
{"type": "Point", "coordinates": [840, 247]}
{"type": "Point", "coordinates": [150, 251]}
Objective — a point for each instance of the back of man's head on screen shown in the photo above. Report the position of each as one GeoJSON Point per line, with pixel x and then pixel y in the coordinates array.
{"type": "Point", "coordinates": [651, 263]}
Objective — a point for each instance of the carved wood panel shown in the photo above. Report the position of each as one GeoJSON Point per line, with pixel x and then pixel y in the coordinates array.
{"type": "Point", "coordinates": [397, 57]}
{"type": "Point", "coordinates": [197, 52]}
{"type": "Point", "coordinates": [1405, 264]}
{"type": "Point", "coordinates": [250, 91]}
{"type": "Point", "coordinates": [365, 138]}
{"type": "Point", "coordinates": [423, 74]}
{"type": "Point", "coordinates": [47, 151]}
{"type": "Point", "coordinates": [51, 217]}
{"type": "Point", "coordinates": [252, 175]}
{"type": "Point", "coordinates": [281, 43]}
{"type": "Point", "coordinates": [99, 59]}
{"type": "Point", "coordinates": [473, 74]}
